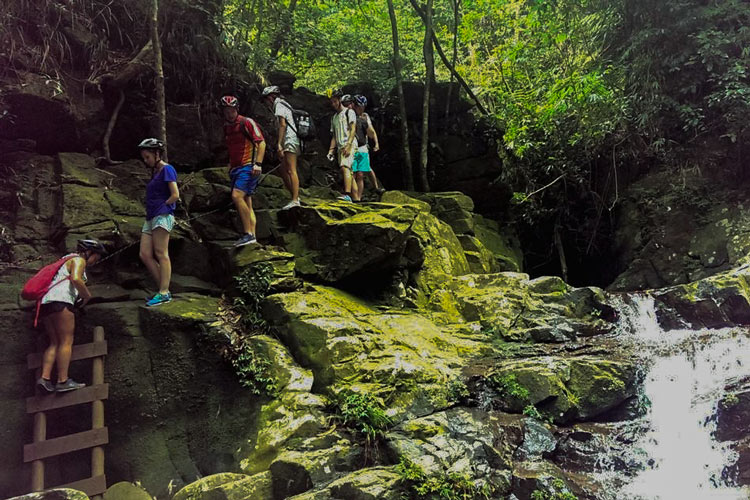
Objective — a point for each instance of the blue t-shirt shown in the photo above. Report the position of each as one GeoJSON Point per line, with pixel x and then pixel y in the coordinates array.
{"type": "Point", "coordinates": [157, 192]}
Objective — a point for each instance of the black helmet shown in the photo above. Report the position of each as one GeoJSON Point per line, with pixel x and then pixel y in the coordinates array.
{"type": "Point", "coordinates": [337, 93]}
{"type": "Point", "coordinates": [151, 143]}
{"type": "Point", "coordinates": [92, 245]}
{"type": "Point", "coordinates": [273, 89]}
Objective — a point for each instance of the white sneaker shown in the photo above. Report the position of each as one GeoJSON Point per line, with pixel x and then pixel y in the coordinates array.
{"type": "Point", "coordinates": [291, 204]}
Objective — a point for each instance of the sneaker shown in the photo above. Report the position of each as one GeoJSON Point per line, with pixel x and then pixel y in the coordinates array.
{"type": "Point", "coordinates": [380, 190]}
{"type": "Point", "coordinates": [291, 204]}
{"type": "Point", "coordinates": [159, 299]}
{"type": "Point", "coordinates": [245, 240]}
{"type": "Point", "coordinates": [45, 384]}
{"type": "Point", "coordinates": [345, 197]}
{"type": "Point", "coordinates": [69, 385]}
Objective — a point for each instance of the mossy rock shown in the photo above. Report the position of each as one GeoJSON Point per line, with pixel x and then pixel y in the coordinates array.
{"type": "Point", "coordinates": [401, 198]}
{"type": "Point", "coordinates": [228, 486]}
{"type": "Point", "coordinates": [374, 483]}
{"type": "Point", "coordinates": [126, 491]}
{"type": "Point", "coordinates": [82, 206]}
{"type": "Point", "coordinates": [79, 168]}
{"type": "Point", "coordinates": [502, 242]}
{"type": "Point", "coordinates": [122, 205]}
{"type": "Point", "coordinates": [54, 494]}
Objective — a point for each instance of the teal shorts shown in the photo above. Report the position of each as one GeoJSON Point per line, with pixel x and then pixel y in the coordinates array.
{"type": "Point", "coordinates": [165, 221]}
{"type": "Point", "coordinates": [361, 162]}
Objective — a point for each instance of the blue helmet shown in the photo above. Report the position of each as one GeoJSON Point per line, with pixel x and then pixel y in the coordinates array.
{"type": "Point", "coordinates": [360, 100]}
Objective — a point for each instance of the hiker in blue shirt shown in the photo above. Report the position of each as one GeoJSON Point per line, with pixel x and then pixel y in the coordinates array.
{"type": "Point", "coordinates": [161, 197]}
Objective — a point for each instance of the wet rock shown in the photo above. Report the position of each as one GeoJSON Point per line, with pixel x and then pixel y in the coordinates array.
{"type": "Point", "coordinates": [733, 412]}
{"type": "Point", "coordinates": [538, 440]}
{"type": "Point", "coordinates": [738, 473]}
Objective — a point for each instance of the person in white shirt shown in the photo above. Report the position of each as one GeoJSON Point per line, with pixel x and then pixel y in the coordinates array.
{"type": "Point", "coordinates": [289, 145]}
{"type": "Point", "coordinates": [343, 140]}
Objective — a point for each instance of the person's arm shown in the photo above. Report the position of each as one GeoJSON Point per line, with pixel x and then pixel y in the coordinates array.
{"type": "Point", "coordinates": [77, 266]}
{"type": "Point", "coordinates": [174, 193]}
{"type": "Point", "coordinates": [261, 153]}
{"type": "Point", "coordinates": [372, 134]}
{"type": "Point", "coordinates": [282, 135]}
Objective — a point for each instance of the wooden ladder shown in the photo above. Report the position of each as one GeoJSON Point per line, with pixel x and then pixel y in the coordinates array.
{"type": "Point", "coordinates": [95, 439]}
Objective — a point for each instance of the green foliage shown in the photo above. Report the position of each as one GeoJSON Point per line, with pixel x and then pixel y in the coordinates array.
{"type": "Point", "coordinates": [560, 492]}
{"type": "Point", "coordinates": [450, 486]}
{"type": "Point", "coordinates": [253, 367]}
{"type": "Point", "coordinates": [457, 390]}
{"type": "Point", "coordinates": [531, 411]}
{"type": "Point", "coordinates": [362, 412]}
{"type": "Point", "coordinates": [253, 284]}
{"type": "Point", "coordinates": [507, 386]}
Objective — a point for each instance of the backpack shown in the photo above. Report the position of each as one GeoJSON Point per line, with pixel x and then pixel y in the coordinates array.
{"type": "Point", "coordinates": [303, 126]}
{"type": "Point", "coordinates": [38, 285]}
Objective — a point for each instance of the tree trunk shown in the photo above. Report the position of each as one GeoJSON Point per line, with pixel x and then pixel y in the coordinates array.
{"type": "Point", "coordinates": [408, 176]}
{"type": "Point", "coordinates": [456, 5]}
{"type": "Point", "coordinates": [429, 64]}
{"type": "Point", "coordinates": [561, 253]}
{"type": "Point", "coordinates": [161, 106]}
{"type": "Point", "coordinates": [110, 128]}
{"type": "Point", "coordinates": [282, 33]}
{"type": "Point", "coordinates": [132, 69]}
{"type": "Point", "coordinates": [447, 63]}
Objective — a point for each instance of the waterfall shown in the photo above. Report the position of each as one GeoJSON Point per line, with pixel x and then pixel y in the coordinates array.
{"type": "Point", "coordinates": [686, 371]}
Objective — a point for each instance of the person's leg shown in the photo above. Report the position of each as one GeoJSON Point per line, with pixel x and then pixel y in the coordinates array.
{"type": "Point", "coordinates": [249, 205]}
{"type": "Point", "coordinates": [50, 353]}
{"type": "Point", "coordinates": [291, 160]}
{"type": "Point", "coordinates": [246, 216]}
{"type": "Point", "coordinates": [373, 179]}
{"type": "Point", "coordinates": [285, 174]}
{"type": "Point", "coordinates": [360, 181]}
{"type": "Point", "coordinates": [160, 238]}
{"type": "Point", "coordinates": [147, 257]}
{"type": "Point", "coordinates": [65, 325]}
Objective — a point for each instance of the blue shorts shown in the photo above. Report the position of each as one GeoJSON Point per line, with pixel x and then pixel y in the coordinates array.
{"type": "Point", "coordinates": [164, 221]}
{"type": "Point", "coordinates": [243, 179]}
{"type": "Point", "coordinates": [361, 162]}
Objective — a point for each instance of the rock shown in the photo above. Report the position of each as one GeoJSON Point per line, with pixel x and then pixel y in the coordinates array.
{"type": "Point", "coordinates": [538, 441]}
{"type": "Point", "coordinates": [439, 252]}
{"type": "Point", "coordinates": [375, 483]}
{"type": "Point", "coordinates": [403, 198]}
{"type": "Point", "coordinates": [228, 486]}
{"type": "Point", "coordinates": [54, 494]}
{"type": "Point", "coordinates": [346, 341]}
{"type": "Point", "coordinates": [714, 302]}
{"type": "Point", "coordinates": [733, 412]}
{"type": "Point", "coordinates": [503, 243]}
{"type": "Point", "coordinates": [454, 208]}
{"type": "Point", "coordinates": [739, 472]}
{"type": "Point", "coordinates": [187, 138]}
{"type": "Point", "coordinates": [458, 441]}
{"type": "Point", "coordinates": [481, 260]}
{"type": "Point", "coordinates": [564, 389]}
{"type": "Point", "coordinates": [540, 477]}
{"type": "Point", "coordinates": [126, 491]}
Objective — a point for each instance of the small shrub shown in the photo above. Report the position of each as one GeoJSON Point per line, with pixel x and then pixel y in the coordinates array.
{"type": "Point", "coordinates": [450, 486]}
{"type": "Point", "coordinates": [361, 412]}
{"type": "Point", "coordinates": [253, 367]}
{"type": "Point", "coordinates": [253, 284]}
{"type": "Point", "coordinates": [507, 385]}
{"type": "Point", "coordinates": [457, 390]}
{"type": "Point", "coordinates": [531, 411]}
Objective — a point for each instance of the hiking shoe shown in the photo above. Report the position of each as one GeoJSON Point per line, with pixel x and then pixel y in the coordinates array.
{"type": "Point", "coordinates": [245, 240]}
{"type": "Point", "coordinates": [45, 384]}
{"type": "Point", "coordinates": [345, 197]}
{"type": "Point", "coordinates": [291, 204]}
{"type": "Point", "coordinates": [159, 299]}
{"type": "Point", "coordinates": [380, 190]}
{"type": "Point", "coordinates": [69, 385]}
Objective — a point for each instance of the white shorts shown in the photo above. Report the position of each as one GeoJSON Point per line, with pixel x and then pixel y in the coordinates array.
{"type": "Point", "coordinates": [346, 161]}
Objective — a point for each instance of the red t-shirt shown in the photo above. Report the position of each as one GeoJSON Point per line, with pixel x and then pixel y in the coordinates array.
{"type": "Point", "coordinates": [239, 145]}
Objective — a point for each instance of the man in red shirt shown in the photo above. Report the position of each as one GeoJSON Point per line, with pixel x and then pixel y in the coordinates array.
{"type": "Point", "coordinates": [246, 150]}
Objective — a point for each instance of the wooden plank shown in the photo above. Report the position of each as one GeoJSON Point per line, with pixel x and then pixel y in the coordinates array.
{"type": "Point", "coordinates": [64, 399]}
{"type": "Point", "coordinates": [81, 351]}
{"type": "Point", "coordinates": [92, 486]}
{"type": "Point", "coordinates": [65, 444]}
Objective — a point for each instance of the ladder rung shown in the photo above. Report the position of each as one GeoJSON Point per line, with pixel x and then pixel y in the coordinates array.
{"type": "Point", "coordinates": [92, 486]}
{"type": "Point", "coordinates": [82, 351]}
{"type": "Point", "coordinates": [62, 400]}
{"type": "Point", "coordinates": [65, 444]}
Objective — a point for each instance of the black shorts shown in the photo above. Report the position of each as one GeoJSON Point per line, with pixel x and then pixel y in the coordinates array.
{"type": "Point", "coordinates": [54, 307]}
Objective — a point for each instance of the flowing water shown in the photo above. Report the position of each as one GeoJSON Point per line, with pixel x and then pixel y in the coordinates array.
{"type": "Point", "coordinates": [685, 374]}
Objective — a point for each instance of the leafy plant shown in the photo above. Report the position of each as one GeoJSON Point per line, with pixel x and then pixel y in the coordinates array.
{"type": "Point", "coordinates": [457, 390]}
{"type": "Point", "coordinates": [560, 492]}
{"type": "Point", "coordinates": [361, 412]}
{"type": "Point", "coordinates": [507, 385]}
{"type": "Point", "coordinates": [253, 368]}
{"type": "Point", "coordinates": [253, 284]}
{"type": "Point", "coordinates": [450, 486]}
{"type": "Point", "coordinates": [531, 411]}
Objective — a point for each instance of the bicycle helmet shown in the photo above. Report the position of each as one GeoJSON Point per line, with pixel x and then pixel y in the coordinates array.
{"type": "Point", "coordinates": [336, 93]}
{"type": "Point", "coordinates": [229, 101]}
{"type": "Point", "coordinates": [92, 245]}
{"type": "Point", "coordinates": [346, 99]}
{"type": "Point", "coordinates": [360, 100]}
{"type": "Point", "coordinates": [151, 143]}
{"type": "Point", "coordinates": [273, 89]}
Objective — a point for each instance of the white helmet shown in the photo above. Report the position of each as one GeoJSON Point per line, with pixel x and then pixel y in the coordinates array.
{"type": "Point", "coordinates": [273, 89]}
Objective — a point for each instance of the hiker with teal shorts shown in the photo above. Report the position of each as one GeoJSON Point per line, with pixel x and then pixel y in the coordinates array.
{"type": "Point", "coordinates": [66, 290]}
{"type": "Point", "coordinates": [161, 199]}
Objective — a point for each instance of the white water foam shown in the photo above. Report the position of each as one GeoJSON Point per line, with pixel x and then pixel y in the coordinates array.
{"type": "Point", "coordinates": [687, 373]}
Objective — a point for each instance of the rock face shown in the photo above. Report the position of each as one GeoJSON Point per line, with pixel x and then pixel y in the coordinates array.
{"type": "Point", "coordinates": [733, 424]}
